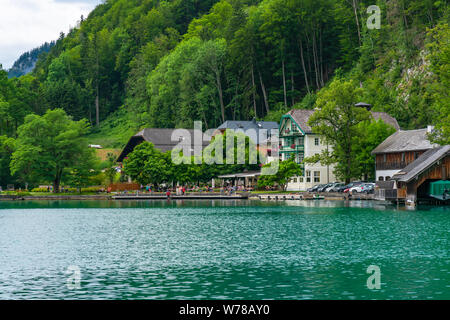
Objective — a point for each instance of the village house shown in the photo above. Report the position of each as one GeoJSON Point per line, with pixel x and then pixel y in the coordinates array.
{"type": "Point", "coordinates": [163, 140]}
{"type": "Point", "coordinates": [260, 132]}
{"type": "Point", "coordinates": [399, 150]}
{"type": "Point", "coordinates": [298, 141]}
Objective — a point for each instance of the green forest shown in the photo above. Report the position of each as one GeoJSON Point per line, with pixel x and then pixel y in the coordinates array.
{"type": "Point", "coordinates": [133, 64]}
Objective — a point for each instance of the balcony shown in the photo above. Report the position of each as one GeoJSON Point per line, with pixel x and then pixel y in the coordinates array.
{"type": "Point", "coordinates": [289, 133]}
{"type": "Point", "coordinates": [293, 148]}
{"type": "Point", "coordinates": [394, 165]}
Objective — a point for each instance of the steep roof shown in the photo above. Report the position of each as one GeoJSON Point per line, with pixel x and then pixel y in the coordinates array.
{"type": "Point", "coordinates": [161, 139]}
{"type": "Point", "coordinates": [386, 119]}
{"type": "Point", "coordinates": [401, 141]}
{"type": "Point", "coordinates": [422, 163]}
{"type": "Point", "coordinates": [245, 125]}
{"type": "Point", "coordinates": [251, 129]}
{"type": "Point", "coordinates": [302, 116]}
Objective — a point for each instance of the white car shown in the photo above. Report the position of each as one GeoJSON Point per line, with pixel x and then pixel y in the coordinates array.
{"type": "Point", "coordinates": [361, 188]}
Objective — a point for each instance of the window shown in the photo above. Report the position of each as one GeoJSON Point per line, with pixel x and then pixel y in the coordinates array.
{"type": "Point", "coordinates": [403, 157]}
{"type": "Point", "coordinates": [380, 179]}
{"type": "Point", "coordinates": [316, 141]}
{"type": "Point", "coordinates": [301, 179]}
{"type": "Point", "coordinates": [388, 178]}
{"type": "Point", "coordinates": [316, 176]}
{"type": "Point", "coordinates": [308, 176]}
{"type": "Point", "coordinates": [295, 180]}
{"type": "Point", "coordinates": [384, 157]}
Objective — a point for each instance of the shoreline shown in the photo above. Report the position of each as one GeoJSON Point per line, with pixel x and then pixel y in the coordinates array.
{"type": "Point", "coordinates": [197, 196]}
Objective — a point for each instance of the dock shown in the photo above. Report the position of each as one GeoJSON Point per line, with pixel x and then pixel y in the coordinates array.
{"type": "Point", "coordinates": [178, 197]}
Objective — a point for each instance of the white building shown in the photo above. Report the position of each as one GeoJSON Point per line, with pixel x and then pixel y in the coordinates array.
{"type": "Point", "coordinates": [297, 140]}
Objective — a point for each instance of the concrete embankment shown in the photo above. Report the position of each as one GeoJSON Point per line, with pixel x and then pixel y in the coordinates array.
{"type": "Point", "coordinates": [313, 196]}
{"type": "Point", "coordinates": [54, 198]}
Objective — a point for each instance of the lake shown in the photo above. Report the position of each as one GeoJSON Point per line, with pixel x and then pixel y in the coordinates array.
{"type": "Point", "coordinates": [222, 250]}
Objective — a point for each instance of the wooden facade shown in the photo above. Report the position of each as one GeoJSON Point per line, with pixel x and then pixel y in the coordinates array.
{"type": "Point", "coordinates": [410, 190]}
{"type": "Point", "coordinates": [396, 160]}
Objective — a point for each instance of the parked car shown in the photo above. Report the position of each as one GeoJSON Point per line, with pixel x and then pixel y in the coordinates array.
{"type": "Point", "coordinates": [351, 185]}
{"type": "Point", "coordinates": [328, 189]}
{"type": "Point", "coordinates": [337, 187]}
{"type": "Point", "coordinates": [363, 187]}
{"type": "Point", "coordinates": [324, 187]}
{"type": "Point", "coordinates": [369, 188]}
{"type": "Point", "coordinates": [314, 189]}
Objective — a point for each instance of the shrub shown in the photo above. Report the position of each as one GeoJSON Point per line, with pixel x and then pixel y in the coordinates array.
{"type": "Point", "coordinates": [93, 190]}
{"type": "Point", "coordinates": [40, 190]}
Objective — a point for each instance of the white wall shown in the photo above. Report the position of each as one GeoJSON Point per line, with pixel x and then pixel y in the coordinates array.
{"type": "Point", "coordinates": [385, 173]}
{"type": "Point", "coordinates": [326, 172]}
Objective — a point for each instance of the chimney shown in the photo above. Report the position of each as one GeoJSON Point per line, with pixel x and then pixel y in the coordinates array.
{"type": "Point", "coordinates": [364, 105]}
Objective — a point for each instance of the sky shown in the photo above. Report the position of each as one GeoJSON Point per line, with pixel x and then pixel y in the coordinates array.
{"type": "Point", "coordinates": [26, 24]}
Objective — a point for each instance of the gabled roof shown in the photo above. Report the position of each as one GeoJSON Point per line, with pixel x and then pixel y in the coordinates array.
{"type": "Point", "coordinates": [161, 139]}
{"type": "Point", "coordinates": [251, 129]}
{"type": "Point", "coordinates": [425, 161]}
{"type": "Point", "coordinates": [403, 141]}
{"type": "Point", "coordinates": [301, 117]}
{"type": "Point", "coordinates": [245, 125]}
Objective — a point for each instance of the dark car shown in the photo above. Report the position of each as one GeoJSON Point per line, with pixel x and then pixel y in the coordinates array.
{"type": "Point", "coordinates": [324, 187]}
{"type": "Point", "coordinates": [314, 189]}
{"type": "Point", "coordinates": [369, 188]}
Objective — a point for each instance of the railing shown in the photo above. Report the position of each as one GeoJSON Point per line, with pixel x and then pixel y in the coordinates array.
{"type": "Point", "coordinates": [290, 149]}
{"type": "Point", "coordinates": [394, 165]}
{"type": "Point", "coordinates": [288, 132]}
{"type": "Point", "coordinates": [385, 194]}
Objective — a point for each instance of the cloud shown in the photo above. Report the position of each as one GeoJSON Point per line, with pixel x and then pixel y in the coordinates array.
{"type": "Point", "coordinates": [26, 24]}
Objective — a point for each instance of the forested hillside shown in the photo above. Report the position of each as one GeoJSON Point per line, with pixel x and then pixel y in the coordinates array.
{"type": "Point", "coordinates": [27, 61]}
{"type": "Point", "coordinates": [150, 63]}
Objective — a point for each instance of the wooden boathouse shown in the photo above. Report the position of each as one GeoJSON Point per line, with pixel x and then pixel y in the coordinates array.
{"type": "Point", "coordinates": [416, 181]}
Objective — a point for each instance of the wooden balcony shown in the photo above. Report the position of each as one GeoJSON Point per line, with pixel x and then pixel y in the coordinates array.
{"type": "Point", "coordinates": [394, 165]}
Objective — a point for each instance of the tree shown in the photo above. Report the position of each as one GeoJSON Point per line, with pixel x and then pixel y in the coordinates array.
{"type": "Point", "coordinates": [110, 170]}
{"type": "Point", "coordinates": [47, 146]}
{"type": "Point", "coordinates": [286, 171]}
{"type": "Point", "coordinates": [7, 146]}
{"type": "Point", "coordinates": [81, 174]}
{"type": "Point", "coordinates": [439, 56]}
{"type": "Point", "coordinates": [336, 119]}
{"type": "Point", "coordinates": [370, 135]}
{"type": "Point", "coordinates": [148, 165]}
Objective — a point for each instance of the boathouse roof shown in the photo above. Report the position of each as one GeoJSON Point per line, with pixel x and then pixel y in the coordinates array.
{"type": "Point", "coordinates": [301, 117]}
{"type": "Point", "coordinates": [421, 164]}
{"type": "Point", "coordinates": [403, 141]}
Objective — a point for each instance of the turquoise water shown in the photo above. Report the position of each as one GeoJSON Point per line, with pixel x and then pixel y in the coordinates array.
{"type": "Point", "coordinates": [223, 250]}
